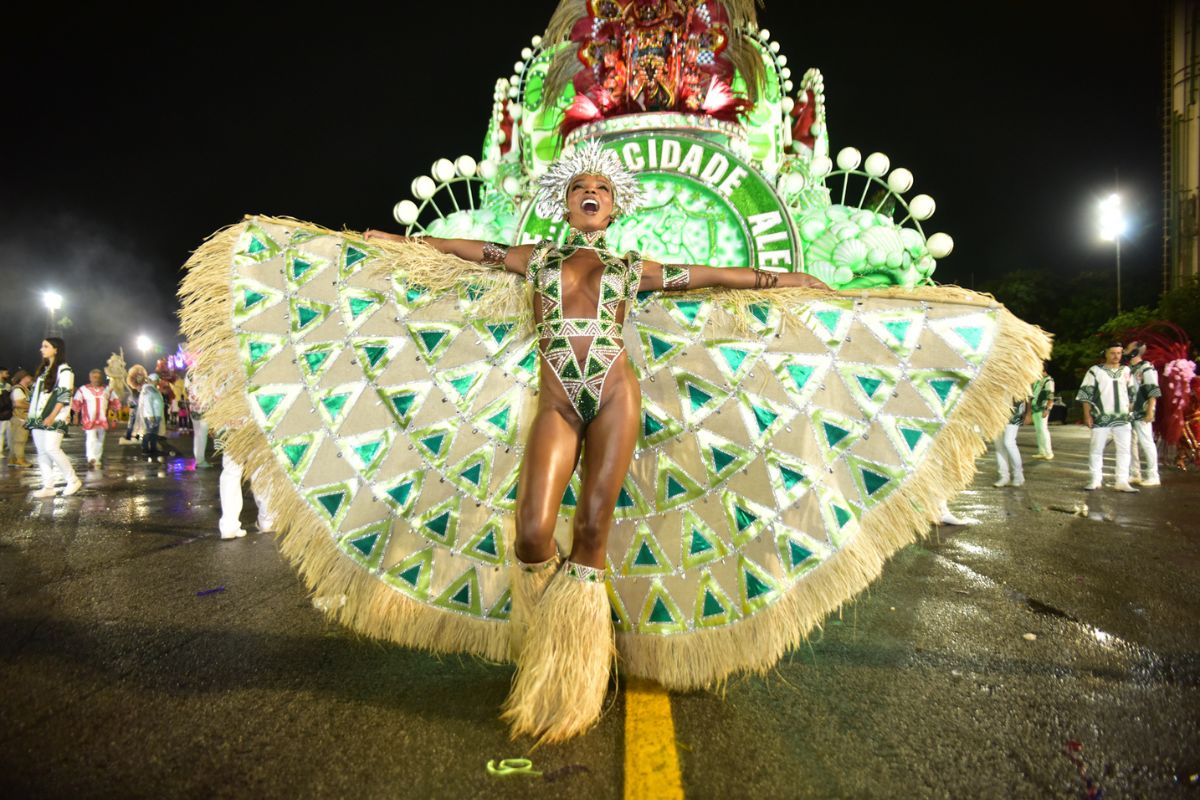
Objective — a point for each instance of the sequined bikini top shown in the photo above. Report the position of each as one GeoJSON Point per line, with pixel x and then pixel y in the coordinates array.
{"type": "Point", "coordinates": [618, 283]}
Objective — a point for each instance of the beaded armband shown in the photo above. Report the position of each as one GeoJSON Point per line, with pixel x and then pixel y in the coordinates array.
{"type": "Point", "coordinates": [584, 573]}
{"type": "Point", "coordinates": [676, 277]}
{"type": "Point", "coordinates": [494, 254]}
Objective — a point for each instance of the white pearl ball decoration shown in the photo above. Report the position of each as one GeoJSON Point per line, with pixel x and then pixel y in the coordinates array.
{"type": "Point", "coordinates": [405, 212]}
{"type": "Point", "coordinates": [424, 187]}
{"type": "Point", "coordinates": [526, 53]}
{"type": "Point", "coordinates": [787, 104]}
{"type": "Point", "coordinates": [921, 207]}
{"type": "Point", "coordinates": [900, 181]}
{"type": "Point", "coordinates": [443, 170]}
{"type": "Point", "coordinates": [849, 158]}
{"type": "Point", "coordinates": [764, 34]}
{"type": "Point", "coordinates": [511, 185]}
{"type": "Point", "coordinates": [877, 164]}
{"type": "Point", "coordinates": [465, 166]}
{"type": "Point", "coordinates": [820, 167]}
{"type": "Point", "coordinates": [536, 41]}
{"type": "Point", "coordinates": [940, 245]}
{"type": "Point", "coordinates": [487, 169]}
{"type": "Point", "coordinates": [793, 183]}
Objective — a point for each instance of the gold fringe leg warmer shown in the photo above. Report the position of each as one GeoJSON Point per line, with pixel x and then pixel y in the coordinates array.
{"type": "Point", "coordinates": [562, 673]}
{"type": "Point", "coordinates": [529, 583]}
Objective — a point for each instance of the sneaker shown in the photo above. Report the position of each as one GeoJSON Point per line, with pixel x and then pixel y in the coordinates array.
{"type": "Point", "coordinates": [1124, 487]}
{"type": "Point", "coordinates": [124, 440]}
{"type": "Point", "coordinates": [1091, 487]}
{"type": "Point", "coordinates": [949, 519]}
{"type": "Point", "coordinates": [72, 487]}
{"type": "Point", "coordinates": [238, 534]}
{"type": "Point", "coordinates": [1019, 481]}
{"type": "Point", "coordinates": [1039, 455]}
{"type": "Point", "coordinates": [48, 491]}
{"type": "Point", "coordinates": [1049, 457]}
{"type": "Point", "coordinates": [1000, 484]}
{"type": "Point", "coordinates": [1152, 482]}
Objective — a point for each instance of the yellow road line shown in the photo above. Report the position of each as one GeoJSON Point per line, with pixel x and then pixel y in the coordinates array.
{"type": "Point", "coordinates": [651, 760]}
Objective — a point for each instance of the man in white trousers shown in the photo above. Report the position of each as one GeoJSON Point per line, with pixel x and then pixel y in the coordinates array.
{"type": "Point", "coordinates": [199, 425]}
{"type": "Point", "coordinates": [230, 525]}
{"type": "Point", "coordinates": [92, 402]}
{"type": "Point", "coordinates": [1042, 400]}
{"type": "Point", "coordinates": [1107, 397]}
{"type": "Point", "coordinates": [1008, 457]}
{"type": "Point", "coordinates": [1145, 383]}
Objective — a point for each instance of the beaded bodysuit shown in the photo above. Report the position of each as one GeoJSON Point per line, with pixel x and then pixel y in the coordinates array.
{"type": "Point", "coordinates": [583, 382]}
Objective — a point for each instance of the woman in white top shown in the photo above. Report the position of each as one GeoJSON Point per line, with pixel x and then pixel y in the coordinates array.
{"type": "Point", "coordinates": [49, 412]}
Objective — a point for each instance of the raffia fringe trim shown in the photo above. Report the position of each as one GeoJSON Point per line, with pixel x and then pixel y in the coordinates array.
{"type": "Point", "coordinates": [755, 645]}
{"type": "Point", "coordinates": [688, 661]}
{"type": "Point", "coordinates": [372, 607]}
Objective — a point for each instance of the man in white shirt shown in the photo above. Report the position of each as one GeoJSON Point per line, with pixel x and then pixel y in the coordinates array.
{"type": "Point", "coordinates": [1042, 402]}
{"type": "Point", "coordinates": [1145, 383]}
{"type": "Point", "coordinates": [1008, 456]}
{"type": "Point", "coordinates": [1107, 397]}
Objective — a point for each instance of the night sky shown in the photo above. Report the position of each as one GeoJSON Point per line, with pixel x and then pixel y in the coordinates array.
{"type": "Point", "coordinates": [127, 141]}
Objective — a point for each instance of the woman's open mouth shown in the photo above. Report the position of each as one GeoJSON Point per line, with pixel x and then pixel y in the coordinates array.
{"type": "Point", "coordinates": [590, 205]}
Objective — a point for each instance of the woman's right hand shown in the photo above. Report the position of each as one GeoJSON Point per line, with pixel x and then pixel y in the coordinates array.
{"type": "Point", "coordinates": [372, 233]}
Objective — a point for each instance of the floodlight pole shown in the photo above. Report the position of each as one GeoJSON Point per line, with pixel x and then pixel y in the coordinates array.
{"type": "Point", "coordinates": [1118, 241]}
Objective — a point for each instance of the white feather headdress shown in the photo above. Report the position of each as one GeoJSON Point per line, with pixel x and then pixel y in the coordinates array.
{"type": "Point", "coordinates": [588, 158]}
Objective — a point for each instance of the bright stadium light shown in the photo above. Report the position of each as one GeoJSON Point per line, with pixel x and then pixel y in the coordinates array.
{"type": "Point", "coordinates": [53, 301]}
{"type": "Point", "coordinates": [144, 344]}
{"type": "Point", "coordinates": [1112, 221]}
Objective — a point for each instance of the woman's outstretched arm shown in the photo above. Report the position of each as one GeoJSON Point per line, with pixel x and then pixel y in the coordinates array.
{"type": "Point", "coordinates": [515, 258]}
{"type": "Point", "coordinates": [673, 277]}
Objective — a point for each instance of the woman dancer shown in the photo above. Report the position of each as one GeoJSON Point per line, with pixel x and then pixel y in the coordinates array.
{"type": "Point", "coordinates": [49, 412]}
{"type": "Point", "coordinates": [589, 402]}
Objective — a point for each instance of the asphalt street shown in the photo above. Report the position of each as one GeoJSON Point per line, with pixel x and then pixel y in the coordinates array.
{"type": "Point", "coordinates": [141, 656]}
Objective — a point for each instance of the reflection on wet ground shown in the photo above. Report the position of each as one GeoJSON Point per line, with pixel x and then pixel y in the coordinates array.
{"type": "Point", "coordinates": [140, 653]}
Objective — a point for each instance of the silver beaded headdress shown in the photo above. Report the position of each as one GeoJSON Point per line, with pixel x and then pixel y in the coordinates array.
{"type": "Point", "coordinates": [589, 158]}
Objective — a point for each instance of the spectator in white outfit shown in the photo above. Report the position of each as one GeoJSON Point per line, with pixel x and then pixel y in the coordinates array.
{"type": "Point", "coordinates": [199, 425]}
{"type": "Point", "coordinates": [92, 403]}
{"type": "Point", "coordinates": [49, 412]}
{"type": "Point", "coordinates": [1042, 400]}
{"type": "Point", "coordinates": [1008, 457]}
{"type": "Point", "coordinates": [230, 483]}
{"type": "Point", "coordinates": [1145, 400]}
{"type": "Point", "coordinates": [1107, 397]}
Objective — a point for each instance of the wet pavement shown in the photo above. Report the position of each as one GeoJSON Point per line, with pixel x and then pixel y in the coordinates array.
{"type": "Point", "coordinates": [141, 656]}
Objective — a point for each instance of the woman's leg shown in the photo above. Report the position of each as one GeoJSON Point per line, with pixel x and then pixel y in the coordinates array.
{"type": "Point", "coordinates": [62, 461]}
{"type": "Point", "coordinates": [563, 669]}
{"type": "Point", "coordinates": [551, 452]}
{"type": "Point", "coordinates": [44, 461]}
{"type": "Point", "coordinates": [608, 450]}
